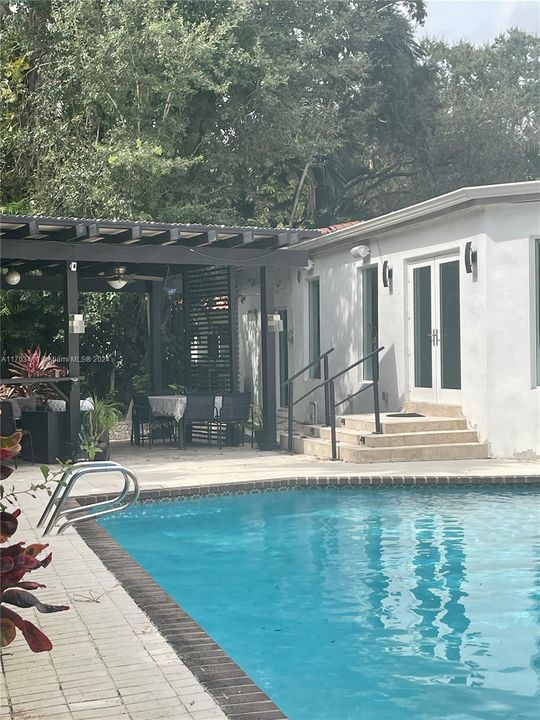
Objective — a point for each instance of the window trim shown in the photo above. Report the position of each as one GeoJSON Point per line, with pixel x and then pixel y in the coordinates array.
{"type": "Point", "coordinates": [314, 372]}
{"type": "Point", "coordinates": [367, 376]}
{"type": "Point", "coordinates": [536, 309]}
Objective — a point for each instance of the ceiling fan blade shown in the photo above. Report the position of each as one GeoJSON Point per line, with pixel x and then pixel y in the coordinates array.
{"type": "Point", "coordinates": [156, 278]}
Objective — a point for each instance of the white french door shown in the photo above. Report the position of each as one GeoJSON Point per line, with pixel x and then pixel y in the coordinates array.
{"type": "Point", "coordinates": [434, 330]}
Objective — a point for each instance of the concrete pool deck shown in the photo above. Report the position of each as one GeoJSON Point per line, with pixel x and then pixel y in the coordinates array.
{"type": "Point", "coordinates": [109, 661]}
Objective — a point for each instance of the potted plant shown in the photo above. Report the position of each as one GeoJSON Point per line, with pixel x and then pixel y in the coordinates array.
{"type": "Point", "coordinates": [257, 424]}
{"type": "Point", "coordinates": [95, 428]}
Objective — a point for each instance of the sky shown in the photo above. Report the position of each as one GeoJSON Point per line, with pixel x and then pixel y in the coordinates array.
{"type": "Point", "coordinates": [479, 21]}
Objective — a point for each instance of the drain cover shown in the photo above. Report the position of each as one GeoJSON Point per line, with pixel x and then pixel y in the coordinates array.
{"type": "Point", "coordinates": [404, 415]}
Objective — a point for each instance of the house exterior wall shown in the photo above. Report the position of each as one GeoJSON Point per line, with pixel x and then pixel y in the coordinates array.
{"type": "Point", "coordinates": [499, 395]}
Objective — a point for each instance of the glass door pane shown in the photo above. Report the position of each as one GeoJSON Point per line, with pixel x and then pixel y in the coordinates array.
{"type": "Point", "coordinates": [314, 327]}
{"type": "Point", "coordinates": [423, 364]}
{"type": "Point", "coordinates": [450, 342]}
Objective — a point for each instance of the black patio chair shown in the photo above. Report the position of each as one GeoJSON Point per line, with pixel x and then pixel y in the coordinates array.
{"type": "Point", "coordinates": [235, 409]}
{"type": "Point", "coordinates": [200, 408]}
{"type": "Point", "coordinates": [141, 416]}
{"type": "Point", "coordinates": [8, 426]}
{"type": "Point", "coordinates": [160, 426]}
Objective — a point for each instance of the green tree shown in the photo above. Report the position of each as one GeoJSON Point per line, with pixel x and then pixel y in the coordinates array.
{"type": "Point", "coordinates": [213, 111]}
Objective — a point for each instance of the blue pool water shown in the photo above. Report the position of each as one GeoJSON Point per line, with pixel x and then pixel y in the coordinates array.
{"type": "Point", "coordinates": [361, 604]}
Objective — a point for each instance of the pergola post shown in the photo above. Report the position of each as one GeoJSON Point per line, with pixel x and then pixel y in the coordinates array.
{"type": "Point", "coordinates": [268, 361]}
{"type": "Point", "coordinates": [71, 307]}
{"type": "Point", "coordinates": [156, 378]}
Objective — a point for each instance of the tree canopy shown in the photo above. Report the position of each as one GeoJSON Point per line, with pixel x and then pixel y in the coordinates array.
{"type": "Point", "coordinates": [253, 111]}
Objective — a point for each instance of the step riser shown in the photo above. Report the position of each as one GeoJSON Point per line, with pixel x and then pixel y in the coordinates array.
{"type": "Point", "coordinates": [426, 408]}
{"type": "Point", "coordinates": [404, 454]}
{"type": "Point", "coordinates": [394, 439]}
{"type": "Point", "coordinates": [348, 453]}
{"type": "Point", "coordinates": [403, 427]}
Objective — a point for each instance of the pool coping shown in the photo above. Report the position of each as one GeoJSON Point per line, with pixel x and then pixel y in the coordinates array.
{"type": "Point", "coordinates": [235, 692]}
{"type": "Point", "coordinates": [191, 491]}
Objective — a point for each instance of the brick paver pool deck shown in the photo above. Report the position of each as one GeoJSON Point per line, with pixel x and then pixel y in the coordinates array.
{"type": "Point", "coordinates": [109, 661]}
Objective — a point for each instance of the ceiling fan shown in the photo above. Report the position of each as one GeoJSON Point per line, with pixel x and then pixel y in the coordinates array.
{"type": "Point", "coordinates": [120, 277]}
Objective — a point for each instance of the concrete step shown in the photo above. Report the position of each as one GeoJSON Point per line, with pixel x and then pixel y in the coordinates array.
{"type": "Point", "coordinates": [431, 437]}
{"type": "Point", "coordinates": [433, 409]}
{"type": "Point", "coordinates": [452, 451]}
{"type": "Point", "coordinates": [400, 425]}
{"type": "Point", "coordinates": [349, 452]}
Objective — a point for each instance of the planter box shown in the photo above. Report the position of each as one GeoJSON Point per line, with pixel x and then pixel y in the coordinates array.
{"type": "Point", "coordinates": [49, 433]}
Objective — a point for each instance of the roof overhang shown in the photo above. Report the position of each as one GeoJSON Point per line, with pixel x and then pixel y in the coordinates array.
{"type": "Point", "coordinates": [455, 201]}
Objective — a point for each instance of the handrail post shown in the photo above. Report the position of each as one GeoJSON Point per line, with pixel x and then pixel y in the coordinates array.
{"type": "Point", "coordinates": [290, 395]}
{"type": "Point", "coordinates": [376, 408]}
{"type": "Point", "coordinates": [332, 398]}
{"type": "Point", "coordinates": [326, 392]}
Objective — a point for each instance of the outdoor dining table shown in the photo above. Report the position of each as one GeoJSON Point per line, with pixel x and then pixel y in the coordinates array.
{"type": "Point", "coordinates": [173, 406]}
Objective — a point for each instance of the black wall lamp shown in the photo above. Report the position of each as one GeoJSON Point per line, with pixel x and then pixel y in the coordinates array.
{"type": "Point", "coordinates": [387, 274]}
{"type": "Point", "coordinates": [470, 257]}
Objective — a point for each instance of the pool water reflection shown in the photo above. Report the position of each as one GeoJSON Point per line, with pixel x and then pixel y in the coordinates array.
{"type": "Point", "coordinates": [386, 603]}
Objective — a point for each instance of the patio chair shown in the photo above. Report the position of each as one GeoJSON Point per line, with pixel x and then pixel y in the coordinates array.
{"type": "Point", "coordinates": [235, 408]}
{"type": "Point", "coordinates": [141, 416]}
{"type": "Point", "coordinates": [200, 408]}
{"type": "Point", "coordinates": [8, 426]}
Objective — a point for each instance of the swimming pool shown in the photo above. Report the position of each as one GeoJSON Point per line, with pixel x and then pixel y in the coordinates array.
{"type": "Point", "coordinates": [383, 603]}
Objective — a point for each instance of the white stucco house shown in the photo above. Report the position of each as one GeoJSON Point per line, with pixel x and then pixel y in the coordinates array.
{"type": "Point", "coordinates": [450, 287]}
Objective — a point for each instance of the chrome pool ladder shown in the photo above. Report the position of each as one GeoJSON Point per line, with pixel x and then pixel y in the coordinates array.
{"type": "Point", "coordinates": [54, 511]}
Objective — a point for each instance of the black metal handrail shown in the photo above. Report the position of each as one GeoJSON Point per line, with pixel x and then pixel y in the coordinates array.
{"type": "Point", "coordinates": [374, 384]}
{"type": "Point", "coordinates": [330, 399]}
{"type": "Point", "coordinates": [290, 399]}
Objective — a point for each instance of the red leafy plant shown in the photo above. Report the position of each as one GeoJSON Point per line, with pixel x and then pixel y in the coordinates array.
{"type": "Point", "coordinates": [15, 562]}
{"type": "Point", "coordinates": [32, 363]}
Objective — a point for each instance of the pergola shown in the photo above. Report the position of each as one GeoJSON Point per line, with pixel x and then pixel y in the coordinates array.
{"type": "Point", "coordinates": [75, 255]}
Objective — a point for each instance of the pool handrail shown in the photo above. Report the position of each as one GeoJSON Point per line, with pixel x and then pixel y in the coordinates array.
{"type": "Point", "coordinates": [87, 512]}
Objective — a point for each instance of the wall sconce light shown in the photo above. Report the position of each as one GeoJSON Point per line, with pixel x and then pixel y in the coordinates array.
{"type": "Point", "coordinates": [360, 251]}
{"type": "Point", "coordinates": [76, 324]}
{"type": "Point", "coordinates": [310, 265]}
{"type": "Point", "coordinates": [13, 277]}
{"type": "Point", "coordinates": [470, 257]}
{"type": "Point", "coordinates": [275, 323]}
{"type": "Point", "coordinates": [387, 274]}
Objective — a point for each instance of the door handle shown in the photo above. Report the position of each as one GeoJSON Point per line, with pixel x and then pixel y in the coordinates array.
{"type": "Point", "coordinates": [434, 335]}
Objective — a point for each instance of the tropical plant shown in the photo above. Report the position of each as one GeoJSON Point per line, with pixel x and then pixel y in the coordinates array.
{"type": "Point", "coordinates": [16, 561]}
{"type": "Point", "coordinates": [141, 383]}
{"type": "Point", "coordinates": [88, 444]}
{"type": "Point", "coordinates": [256, 417]}
{"type": "Point", "coordinates": [178, 389]}
{"type": "Point", "coordinates": [96, 424]}
{"type": "Point", "coordinates": [32, 363]}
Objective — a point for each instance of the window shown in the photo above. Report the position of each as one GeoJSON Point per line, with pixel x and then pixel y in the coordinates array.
{"type": "Point", "coordinates": [314, 328]}
{"type": "Point", "coordinates": [537, 296]}
{"type": "Point", "coordinates": [370, 317]}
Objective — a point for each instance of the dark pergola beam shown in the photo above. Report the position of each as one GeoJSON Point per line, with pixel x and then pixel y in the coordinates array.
{"type": "Point", "coordinates": [156, 295]}
{"type": "Point", "coordinates": [70, 234]}
{"type": "Point", "coordinates": [71, 305]}
{"type": "Point", "coordinates": [268, 361]}
{"type": "Point", "coordinates": [26, 229]}
{"type": "Point", "coordinates": [167, 255]}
